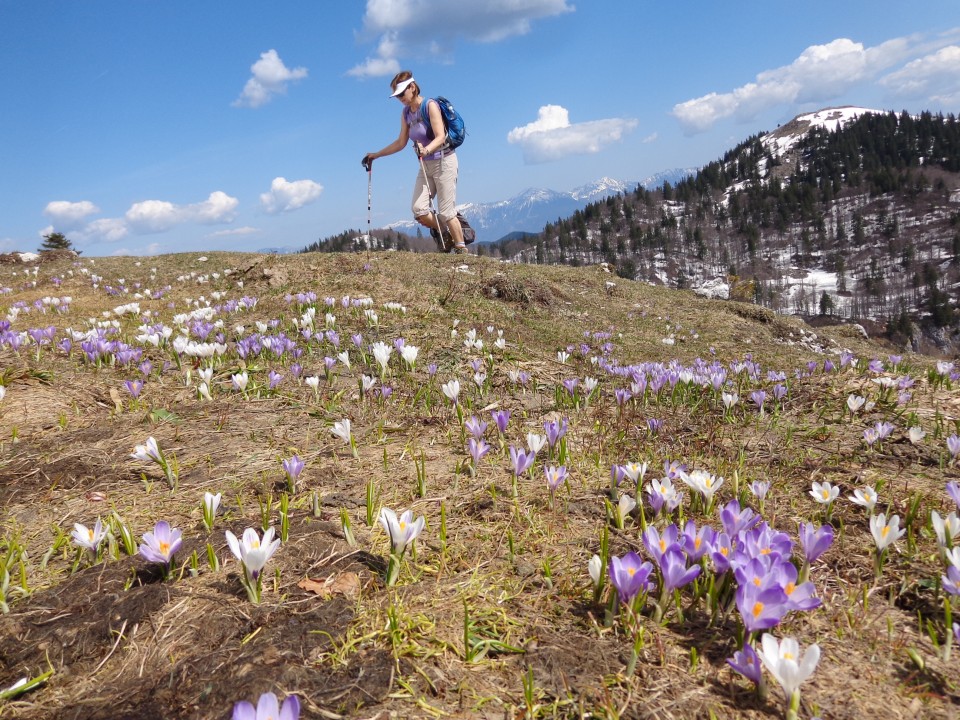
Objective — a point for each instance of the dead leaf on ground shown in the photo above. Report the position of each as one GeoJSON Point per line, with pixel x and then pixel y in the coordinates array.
{"type": "Point", "coordinates": [346, 584]}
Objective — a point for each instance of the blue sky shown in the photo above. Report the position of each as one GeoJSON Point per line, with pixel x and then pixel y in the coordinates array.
{"type": "Point", "coordinates": [141, 127]}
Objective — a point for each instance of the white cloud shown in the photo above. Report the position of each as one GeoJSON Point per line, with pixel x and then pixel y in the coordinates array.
{"type": "Point", "coordinates": [269, 77]}
{"type": "Point", "coordinates": [153, 216]}
{"type": "Point", "coordinates": [821, 73]}
{"type": "Point", "coordinates": [400, 26]}
{"type": "Point", "coordinates": [285, 196]}
{"type": "Point", "coordinates": [67, 215]}
{"type": "Point", "coordinates": [104, 230]}
{"type": "Point", "coordinates": [552, 137]}
{"type": "Point", "coordinates": [933, 77]}
{"type": "Point", "coordinates": [246, 230]}
{"type": "Point", "coordinates": [385, 62]}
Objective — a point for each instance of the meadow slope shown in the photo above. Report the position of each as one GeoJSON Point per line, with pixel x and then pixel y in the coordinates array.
{"type": "Point", "coordinates": [236, 364]}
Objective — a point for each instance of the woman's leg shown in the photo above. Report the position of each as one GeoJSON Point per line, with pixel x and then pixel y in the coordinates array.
{"type": "Point", "coordinates": [446, 183]}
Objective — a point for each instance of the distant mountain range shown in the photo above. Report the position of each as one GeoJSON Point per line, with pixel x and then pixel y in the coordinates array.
{"type": "Point", "coordinates": [530, 210]}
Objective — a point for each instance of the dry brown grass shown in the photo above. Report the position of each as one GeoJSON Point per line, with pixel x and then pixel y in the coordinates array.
{"type": "Point", "coordinates": [123, 643]}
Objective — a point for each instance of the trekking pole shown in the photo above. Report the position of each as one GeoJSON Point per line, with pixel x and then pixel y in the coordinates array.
{"type": "Point", "coordinates": [369, 168]}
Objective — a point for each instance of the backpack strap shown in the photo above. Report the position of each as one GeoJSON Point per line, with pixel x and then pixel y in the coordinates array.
{"type": "Point", "coordinates": [425, 117]}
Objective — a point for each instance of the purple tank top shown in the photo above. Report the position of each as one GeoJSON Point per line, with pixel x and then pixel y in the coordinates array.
{"type": "Point", "coordinates": [420, 131]}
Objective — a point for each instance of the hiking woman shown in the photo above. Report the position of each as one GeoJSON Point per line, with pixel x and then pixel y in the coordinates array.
{"type": "Point", "coordinates": [438, 166]}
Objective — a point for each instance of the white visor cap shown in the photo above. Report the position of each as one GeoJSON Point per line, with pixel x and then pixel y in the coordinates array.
{"type": "Point", "coordinates": [401, 87]}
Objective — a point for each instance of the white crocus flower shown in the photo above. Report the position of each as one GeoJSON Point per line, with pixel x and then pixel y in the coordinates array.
{"type": "Point", "coordinates": [342, 430]}
{"type": "Point", "coordinates": [240, 380]}
{"type": "Point", "coordinates": [946, 529]}
{"type": "Point", "coordinates": [855, 402]}
{"type": "Point", "coordinates": [148, 452]}
{"type": "Point", "coordinates": [635, 471]}
{"type": "Point", "coordinates": [824, 493]}
{"type": "Point", "coordinates": [252, 550]}
{"type": "Point", "coordinates": [409, 355]}
{"type": "Point", "coordinates": [536, 442]}
{"type": "Point", "coordinates": [703, 482]}
{"type": "Point", "coordinates": [563, 356]}
{"type": "Point", "coordinates": [865, 497]}
{"type": "Point", "coordinates": [729, 399]}
{"type": "Point", "coordinates": [381, 353]}
{"type": "Point", "coordinates": [595, 567]}
{"type": "Point", "coordinates": [402, 530]}
{"type": "Point", "coordinates": [784, 661]}
{"type": "Point", "coordinates": [88, 538]}
{"type": "Point", "coordinates": [625, 507]}
{"type": "Point", "coordinates": [451, 390]}
{"type": "Point", "coordinates": [885, 533]}
{"type": "Point", "coordinates": [203, 390]}
{"type": "Point", "coordinates": [344, 358]}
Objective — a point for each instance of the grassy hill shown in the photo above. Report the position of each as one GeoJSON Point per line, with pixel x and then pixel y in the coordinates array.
{"type": "Point", "coordinates": [493, 613]}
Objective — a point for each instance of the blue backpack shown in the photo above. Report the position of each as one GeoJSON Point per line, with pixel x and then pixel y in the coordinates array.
{"type": "Point", "coordinates": [452, 122]}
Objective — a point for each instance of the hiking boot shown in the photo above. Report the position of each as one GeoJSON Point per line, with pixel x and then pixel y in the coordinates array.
{"type": "Point", "coordinates": [460, 250]}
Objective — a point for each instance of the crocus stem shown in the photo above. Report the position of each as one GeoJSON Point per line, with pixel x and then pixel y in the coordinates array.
{"type": "Point", "coordinates": [393, 570]}
{"type": "Point", "coordinates": [793, 707]}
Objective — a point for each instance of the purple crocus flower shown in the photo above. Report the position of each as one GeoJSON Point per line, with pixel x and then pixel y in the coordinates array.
{"type": "Point", "coordinates": [162, 544]}
{"type": "Point", "coordinates": [133, 387]}
{"type": "Point", "coordinates": [268, 708]}
{"type": "Point", "coordinates": [759, 488]}
{"type": "Point", "coordinates": [758, 397]}
{"type": "Point", "coordinates": [953, 445]}
{"type": "Point", "coordinates": [658, 543]}
{"type": "Point", "coordinates": [475, 426]}
{"type": "Point", "coordinates": [953, 490]}
{"type": "Point", "coordinates": [800, 596]}
{"type": "Point", "coordinates": [674, 570]}
{"type": "Point", "coordinates": [521, 460]}
{"type": "Point", "coordinates": [432, 369]}
{"type": "Point", "coordinates": [747, 663]}
{"type": "Point", "coordinates": [501, 418]}
{"type": "Point", "coordinates": [630, 575]}
{"type": "Point", "coordinates": [571, 386]}
{"type": "Point", "coordinates": [951, 581]}
{"type": "Point", "coordinates": [555, 431]}
{"type": "Point", "coordinates": [761, 608]}
{"type": "Point", "coordinates": [723, 551]}
{"type": "Point", "coordinates": [275, 379]}
{"type": "Point", "coordinates": [622, 396]}
{"type": "Point", "coordinates": [815, 541]}
{"type": "Point", "coordinates": [654, 425]}
{"type": "Point", "coordinates": [828, 366]}
{"type": "Point", "coordinates": [293, 467]}
{"type": "Point", "coordinates": [555, 477]}
{"type": "Point", "coordinates": [696, 543]}
{"type": "Point", "coordinates": [736, 519]}
{"type": "Point", "coordinates": [477, 449]}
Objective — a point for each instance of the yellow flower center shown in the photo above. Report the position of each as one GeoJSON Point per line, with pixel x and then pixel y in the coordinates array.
{"type": "Point", "coordinates": [164, 548]}
{"type": "Point", "coordinates": [696, 543]}
{"type": "Point", "coordinates": [725, 551]}
{"type": "Point", "coordinates": [825, 494]}
{"type": "Point", "coordinates": [90, 533]}
{"type": "Point", "coordinates": [757, 608]}
{"type": "Point", "coordinates": [663, 546]}
{"type": "Point", "coordinates": [788, 656]}
{"type": "Point", "coordinates": [886, 529]}
{"type": "Point", "coordinates": [790, 587]}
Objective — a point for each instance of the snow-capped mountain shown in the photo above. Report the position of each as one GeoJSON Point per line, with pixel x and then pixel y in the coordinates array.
{"type": "Point", "coordinates": [785, 137]}
{"type": "Point", "coordinates": [530, 210]}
